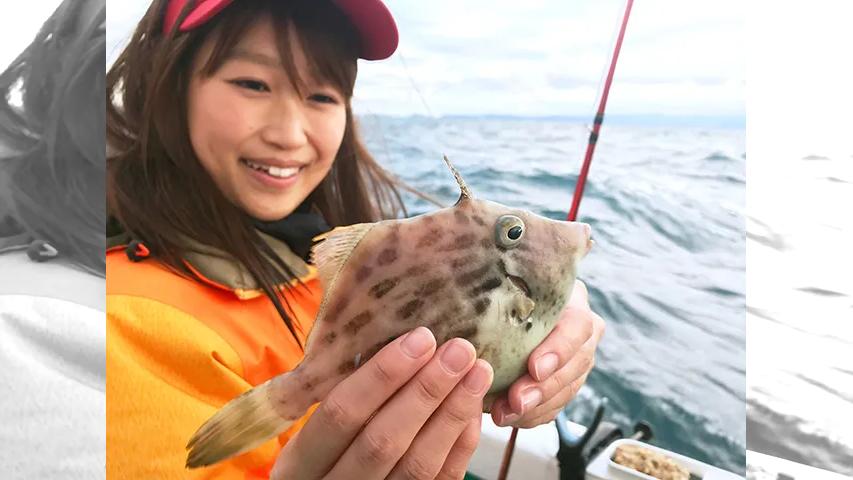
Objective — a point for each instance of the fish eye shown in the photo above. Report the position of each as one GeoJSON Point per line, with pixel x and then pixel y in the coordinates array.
{"type": "Point", "coordinates": [508, 231]}
{"type": "Point", "coordinates": [514, 233]}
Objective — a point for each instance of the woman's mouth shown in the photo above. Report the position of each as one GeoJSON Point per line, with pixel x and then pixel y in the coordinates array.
{"type": "Point", "coordinates": [277, 172]}
{"type": "Point", "coordinates": [269, 177]}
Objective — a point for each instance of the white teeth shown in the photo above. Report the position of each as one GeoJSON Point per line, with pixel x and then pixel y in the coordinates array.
{"type": "Point", "coordinates": [256, 166]}
{"type": "Point", "coordinates": [283, 172]}
{"type": "Point", "coordinates": [274, 171]}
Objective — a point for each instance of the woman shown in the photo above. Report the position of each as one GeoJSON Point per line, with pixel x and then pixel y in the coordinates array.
{"type": "Point", "coordinates": [235, 144]}
{"type": "Point", "coordinates": [52, 166]}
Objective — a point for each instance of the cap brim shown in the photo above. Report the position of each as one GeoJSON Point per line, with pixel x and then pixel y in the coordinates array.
{"type": "Point", "coordinates": [204, 11]}
{"type": "Point", "coordinates": [375, 26]}
{"type": "Point", "coordinates": [373, 22]}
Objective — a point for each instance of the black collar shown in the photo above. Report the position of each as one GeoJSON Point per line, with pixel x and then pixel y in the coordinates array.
{"type": "Point", "coordinates": [297, 230]}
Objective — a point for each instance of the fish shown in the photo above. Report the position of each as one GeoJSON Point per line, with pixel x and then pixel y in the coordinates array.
{"type": "Point", "coordinates": [496, 276]}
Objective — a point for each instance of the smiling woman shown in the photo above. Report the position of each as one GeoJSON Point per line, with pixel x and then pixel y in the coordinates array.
{"type": "Point", "coordinates": [51, 249]}
{"type": "Point", "coordinates": [233, 144]}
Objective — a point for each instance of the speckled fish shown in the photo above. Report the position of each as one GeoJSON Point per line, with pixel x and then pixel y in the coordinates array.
{"type": "Point", "coordinates": [496, 276]}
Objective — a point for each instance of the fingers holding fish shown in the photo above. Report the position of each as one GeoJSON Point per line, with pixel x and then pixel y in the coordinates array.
{"type": "Point", "coordinates": [456, 463]}
{"type": "Point", "coordinates": [526, 395]}
{"type": "Point", "coordinates": [333, 426]}
{"type": "Point", "coordinates": [561, 387]}
{"type": "Point", "coordinates": [388, 435]}
{"type": "Point", "coordinates": [575, 326]}
{"type": "Point", "coordinates": [548, 410]}
{"type": "Point", "coordinates": [579, 365]}
{"type": "Point", "coordinates": [426, 456]}
{"type": "Point", "coordinates": [502, 413]}
{"type": "Point", "coordinates": [541, 409]}
{"type": "Point", "coordinates": [564, 355]}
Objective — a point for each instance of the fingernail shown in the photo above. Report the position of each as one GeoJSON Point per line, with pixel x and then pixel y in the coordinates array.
{"type": "Point", "coordinates": [477, 379]}
{"type": "Point", "coordinates": [545, 366]}
{"type": "Point", "coordinates": [456, 357]}
{"type": "Point", "coordinates": [530, 399]}
{"type": "Point", "coordinates": [417, 342]}
{"type": "Point", "coordinates": [506, 419]}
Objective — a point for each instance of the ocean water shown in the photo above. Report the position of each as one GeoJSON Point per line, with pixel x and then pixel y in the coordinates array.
{"type": "Point", "coordinates": [666, 204]}
{"type": "Point", "coordinates": [800, 310]}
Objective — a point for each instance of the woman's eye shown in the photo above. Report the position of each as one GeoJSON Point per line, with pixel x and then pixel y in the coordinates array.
{"type": "Point", "coordinates": [254, 85]}
{"type": "Point", "coordinates": [323, 98]}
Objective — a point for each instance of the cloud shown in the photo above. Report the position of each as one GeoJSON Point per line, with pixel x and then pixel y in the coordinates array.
{"type": "Point", "coordinates": [559, 81]}
{"type": "Point", "coordinates": [542, 57]}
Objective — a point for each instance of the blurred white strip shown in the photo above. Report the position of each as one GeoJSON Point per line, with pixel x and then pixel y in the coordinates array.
{"type": "Point", "coordinates": [52, 389]}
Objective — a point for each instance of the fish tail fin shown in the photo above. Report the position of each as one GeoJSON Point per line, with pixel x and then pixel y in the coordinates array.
{"type": "Point", "coordinates": [244, 423]}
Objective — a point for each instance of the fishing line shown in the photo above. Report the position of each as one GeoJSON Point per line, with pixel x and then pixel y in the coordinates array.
{"type": "Point", "coordinates": [412, 81]}
{"type": "Point", "coordinates": [383, 139]}
{"type": "Point", "coordinates": [424, 196]}
{"type": "Point", "coordinates": [605, 64]}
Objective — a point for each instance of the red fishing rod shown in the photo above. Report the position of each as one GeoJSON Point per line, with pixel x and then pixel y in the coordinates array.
{"type": "Point", "coordinates": [579, 186]}
{"type": "Point", "coordinates": [599, 119]}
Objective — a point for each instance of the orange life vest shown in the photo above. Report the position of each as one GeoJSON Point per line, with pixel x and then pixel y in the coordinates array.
{"type": "Point", "coordinates": [179, 348]}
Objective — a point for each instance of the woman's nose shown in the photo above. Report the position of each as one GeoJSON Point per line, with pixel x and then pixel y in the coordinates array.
{"type": "Point", "coordinates": [285, 126]}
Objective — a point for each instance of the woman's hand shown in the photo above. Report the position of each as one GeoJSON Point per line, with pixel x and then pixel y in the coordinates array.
{"type": "Point", "coordinates": [558, 367]}
{"type": "Point", "coordinates": [411, 411]}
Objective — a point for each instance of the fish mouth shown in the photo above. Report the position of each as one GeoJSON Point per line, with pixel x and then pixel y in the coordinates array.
{"type": "Point", "coordinates": [520, 283]}
{"type": "Point", "coordinates": [516, 280]}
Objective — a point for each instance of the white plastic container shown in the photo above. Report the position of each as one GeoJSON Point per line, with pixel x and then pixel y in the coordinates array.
{"type": "Point", "coordinates": [604, 468]}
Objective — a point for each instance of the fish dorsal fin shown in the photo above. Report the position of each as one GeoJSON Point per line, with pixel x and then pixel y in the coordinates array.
{"type": "Point", "coordinates": [464, 194]}
{"type": "Point", "coordinates": [334, 249]}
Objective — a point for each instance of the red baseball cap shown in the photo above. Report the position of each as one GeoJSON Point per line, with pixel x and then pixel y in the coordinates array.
{"type": "Point", "coordinates": [371, 18]}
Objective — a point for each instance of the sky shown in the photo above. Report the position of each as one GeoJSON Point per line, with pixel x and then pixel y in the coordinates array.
{"type": "Point", "coordinates": [542, 57]}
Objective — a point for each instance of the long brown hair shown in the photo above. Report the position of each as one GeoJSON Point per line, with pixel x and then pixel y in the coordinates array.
{"type": "Point", "coordinates": [159, 192]}
{"type": "Point", "coordinates": [51, 142]}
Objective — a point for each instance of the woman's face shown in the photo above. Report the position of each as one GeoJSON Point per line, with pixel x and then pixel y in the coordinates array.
{"type": "Point", "coordinates": [265, 146]}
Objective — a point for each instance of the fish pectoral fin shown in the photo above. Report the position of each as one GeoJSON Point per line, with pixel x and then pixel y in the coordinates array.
{"type": "Point", "coordinates": [520, 304]}
{"type": "Point", "coordinates": [335, 248]}
{"type": "Point", "coordinates": [523, 305]}
{"type": "Point", "coordinates": [518, 308]}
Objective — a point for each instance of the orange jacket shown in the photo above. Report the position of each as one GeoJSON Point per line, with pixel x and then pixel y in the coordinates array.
{"type": "Point", "coordinates": [179, 348]}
